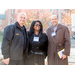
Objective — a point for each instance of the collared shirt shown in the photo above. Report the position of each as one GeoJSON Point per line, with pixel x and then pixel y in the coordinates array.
{"type": "Point", "coordinates": [55, 28]}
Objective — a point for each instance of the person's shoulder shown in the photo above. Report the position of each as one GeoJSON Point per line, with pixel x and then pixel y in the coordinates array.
{"type": "Point", "coordinates": [63, 26]}
{"type": "Point", "coordinates": [9, 27]}
{"type": "Point", "coordinates": [49, 28]}
{"type": "Point", "coordinates": [44, 34]}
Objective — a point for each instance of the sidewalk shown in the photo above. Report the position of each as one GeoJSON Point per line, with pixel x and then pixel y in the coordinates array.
{"type": "Point", "coordinates": [1, 56]}
{"type": "Point", "coordinates": [71, 58]}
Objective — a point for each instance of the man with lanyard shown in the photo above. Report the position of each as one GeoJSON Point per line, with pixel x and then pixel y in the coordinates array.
{"type": "Point", "coordinates": [54, 28]}
{"type": "Point", "coordinates": [58, 39]}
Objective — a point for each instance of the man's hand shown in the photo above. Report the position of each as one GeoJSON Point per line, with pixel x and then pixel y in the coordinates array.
{"type": "Point", "coordinates": [6, 61]}
{"type": "Point", "coordinates": [63, 57]}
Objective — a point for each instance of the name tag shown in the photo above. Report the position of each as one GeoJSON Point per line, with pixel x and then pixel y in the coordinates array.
{"type": "Point", "coordinates": [53, 34]}
{"type": "Point", "coordinates": [36, 39]}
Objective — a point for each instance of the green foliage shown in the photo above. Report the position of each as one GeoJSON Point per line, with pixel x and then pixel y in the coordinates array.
{"type": "Point", "coordinates": [1, 38]}
{"type": "Point", "coordinates": [1, 33]}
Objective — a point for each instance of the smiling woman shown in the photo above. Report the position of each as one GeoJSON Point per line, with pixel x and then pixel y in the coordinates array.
{"type": "Point", "coordinates": [37, 44]}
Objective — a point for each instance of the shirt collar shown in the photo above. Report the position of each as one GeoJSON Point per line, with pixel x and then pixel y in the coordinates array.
{"type": "Point", "coordinates": [56, 25]}
{"type": "Point", "coordinates": [17, 24]}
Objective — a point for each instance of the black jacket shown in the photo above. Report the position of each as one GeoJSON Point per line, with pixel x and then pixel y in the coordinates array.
{"type": "Point", "coordinates": [40, 46]}
{"type": "Point", "coordinates": [13, 42]}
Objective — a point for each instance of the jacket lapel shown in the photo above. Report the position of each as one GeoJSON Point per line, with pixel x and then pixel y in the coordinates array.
{"type": "Point", "coordinates": [40, 36]}
{"type": "Point", "coordinates": [59, 27]}
{"type": "Point", "coordinates": [52, 29]}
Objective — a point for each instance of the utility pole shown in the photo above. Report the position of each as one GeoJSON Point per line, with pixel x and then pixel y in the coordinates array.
{"type": "Point", "coordinates": [13, 15]}
{"type": "Point", "coordinates": [59, 15]}
{"type": "Point", "coordinates": [9, 16]}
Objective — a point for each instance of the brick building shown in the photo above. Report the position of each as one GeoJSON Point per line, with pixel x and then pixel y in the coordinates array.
{"type": "Point", "coordinates": [4, 19]}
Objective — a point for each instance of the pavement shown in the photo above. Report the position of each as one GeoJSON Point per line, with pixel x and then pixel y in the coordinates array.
{"type": "Point", "coordinates": [71, 58]}
{"type": "Point", "coordinates": [1, 56]}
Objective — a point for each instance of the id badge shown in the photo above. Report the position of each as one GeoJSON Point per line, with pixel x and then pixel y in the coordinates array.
{"type": "Point", "coordinates": [53, 34]}
{"type": "Point", "coordinates": [36, 39]}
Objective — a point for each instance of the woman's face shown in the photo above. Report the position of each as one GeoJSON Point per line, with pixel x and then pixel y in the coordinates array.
{"type": "Point", "coordinates": [37, 26]}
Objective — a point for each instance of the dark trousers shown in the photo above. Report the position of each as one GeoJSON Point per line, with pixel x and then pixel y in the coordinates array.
{"type": "Point", "coordinates": [34, 60]}
{"type": "Point", "coordinates": [16, 62]}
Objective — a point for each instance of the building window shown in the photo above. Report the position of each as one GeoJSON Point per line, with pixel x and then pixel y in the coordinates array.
{"type": "Point", "coordinates": [3, 15]}
{"type": "Point", "coordinates": [0, 22]}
